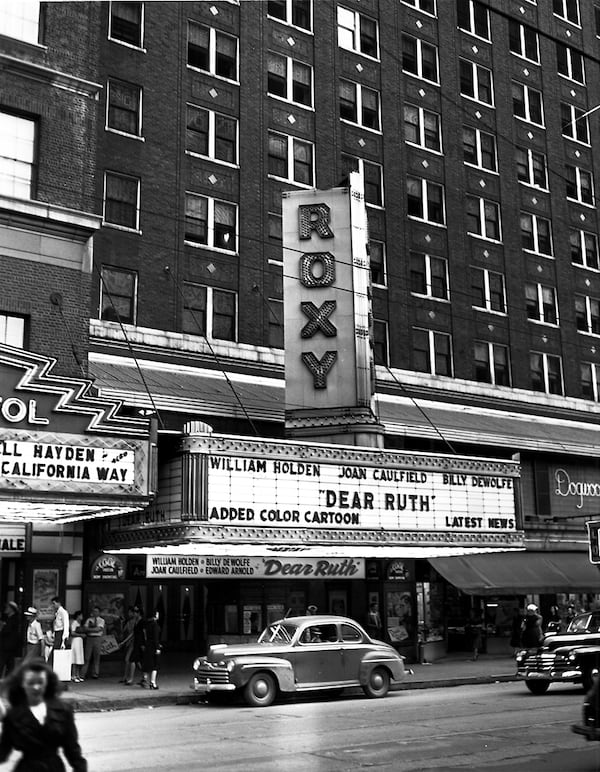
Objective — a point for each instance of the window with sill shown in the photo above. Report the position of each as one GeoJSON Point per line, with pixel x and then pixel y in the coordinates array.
{"type": "Point", "coordinates": [126, 23]}
{"type": "Point", "coordinates": [427, 6]}
{"type": "Point", "coordinates": [429, 276]}
{"type": "Point", "coordinates": [212, 135]}
{"type": "Point", "coordinates": [420, 59]}
{"type": "Point", "coordinates": [574, 123]}
{"type": "Point", "coordinates": [532, 167]}
{"type": "Point", "coordinates": [488, 290]}
{"type": "Point", "coordinates": [425, 200]}
{"type": "Point", "coordinates": [479, 149]}
{"type": "Point", "coordinates": [483, 218]}
{"type": "Point", "coordinates": [124, 107]}
{"type": "Point", "coordinates": [476, 82]}
{"type": "Point", "coordinates": [567, 10]}
{"type": "Point", "coordinates": [590, 380]}
{"type": "Point", "coordinates": [377, 262]}
{"type": "Point", "coordinates": [491, 363]}
{"type": "Point", "coordinates": [121, 200]}
{"type": "Point", "coordinates": [212, 51]}
{"type": "Point", "coordinates": [357, 32]}
{"type": "Point", "coordinates": [527, 103]}
{"type": "Point", "coordinates": [372, 174]}
{"type": "Point", "coordinates": [118, 295]}
{"type": "Point", "coordinates": [359, 105]}
{"type": "Point", "coordinates": [209, 312]}
{"type": "Point", "coordinates": [276, 329]}
{"type": "Point", "coordinates": [473, 17]}
{"type": "Point", "coordinates": [545, 371]}
{"type": "Point", "coordinates": [13, 329]}
{"type": "Point", "coordinates": [423, 128]}
{"type": "Point", "coordinates": [291, 159]}
{"type": "Point", "coordinates": [298, 13]}
{"type": "Point", "coordinates": [17, 155]}
{"type": "Point", "coordinates": [584, 249]}
{"type": "Point", "coordinates": [432, 352]}
{"type": "Point", "coordinates": [587, 314]}
{"type": "Point", "coordinates": [381, 353]}
{"type": "Point", "coordinates": [289, 79]}
{"type": "Point", "coordinates": [21, 20]}
{"type": "Point", "coordinates": [523, 41]}
{"type": "Point", "coordinates": [541, 303]}
{"type": "Point", "coordinates": [569, 63]}
{"type": "Point", "coordinates": [536, 234]}
{"type": "Point", "coordinates": [580, 185]}
{"type": "Point", "coordinates": [210, 222]}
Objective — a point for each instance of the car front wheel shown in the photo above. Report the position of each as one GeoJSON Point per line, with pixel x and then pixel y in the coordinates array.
{"type": "Point", "coordinates": [538, 687]}
{"type": "Point", "coordinates": [260, 690]}
{"type": "Point", "coordinates": [378, 684]}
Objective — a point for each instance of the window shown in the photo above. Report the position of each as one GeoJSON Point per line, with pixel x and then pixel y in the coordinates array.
{"type": "Point", "coordinates": [532, 168]}
{"type": "Point", "coordinates": [540, 303]}
{"type": "Point", "coordinates": [209, 312]}
{"type": "Point", "coordinates": [580, 185]}
{"type": "Point", "coordinates": [127, 23]}
{"type": "Point", "coordinates": [381, 353]}
{"type": "Point", "coordinates": [357, 32]}
{"type": "Point", "coordinates": [121, 200]}
{"type": "Point", "coordinates": [587, 314]}
{"type": "Point", "coordinates": [523, 41]}
{"type": "Point", "coordinates": [429, 276]}
{"type": "Point", "coordinates": [545, 372]}
{"type": "Point", "coordinates": [473, 17]}
{"type": "Point", "coordinates": [212, 51]}
{"type": "Point", "coordinates": [476, 82]}
{"type": "Point", "coordinates": [483, 218]}
{"type": "Point", "coordinates": [527, 103]}
{"type": "Point", "coordinates": [295, 12]}
{"type": "Point", "coordinates": [427, 6]}
{"type": "Point", "coordinates": [491, 363]}
{"type": "Point", "coordinates": [210, 222]}
{"type": "Point", "coordinates": [21, 20]}
{"type": "Point", "coordinates": [425, 200]}
{"type": "Point", "coordinates": [377, 262]}
{"type": "Point", "coordinates": [569, 63]}
{"type": "Point", "coordinates": [574, 122]}
{"type": "Point", "coordinates": [291, 159]}
{"type": "Point", "coordinates": [372, 175]}
{"type": "Point", "coordinates": [488, 290]}
{"type": "Point", "coordinates": [275, 321]}
{"type": "Point", "coordinates": [124, 107]}
{"type": "Point", "coordinates": [118, 295]}
{"type": "Point", "coordinates": [12, 330]}
{"type": "Point", "coordinates": [567, 9]}
{"type": "Point", "coordinates": [289, 79]}
{"type": "Point", "coordinates": [211, 134]}
{"type": "Point", "coordinates": [17, 155]}
{"type": "Point", "coordinates": [584, 249]}
{"type": "Point", "coordinates": [359, 104]}
{"type": "Point", "coordinates": [432, 352]}
{"type": "Point", "coordinates": [423, 128]}
{"type": "Point", "coordinates": [479, 149]}
{"type": "Point", "coordinates": [590, 380]}
{"type": "Point", "coordinates": [536, 234]}
{"type": "Point", "coordinates": [597, 19]}
{"type": "Point", "coordinates": [419, 58]}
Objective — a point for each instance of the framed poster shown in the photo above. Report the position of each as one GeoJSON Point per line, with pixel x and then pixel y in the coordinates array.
{"type": "Point", "coordinates": [45, 587]}
{"type": "Point", "coordinates": [338, 602]}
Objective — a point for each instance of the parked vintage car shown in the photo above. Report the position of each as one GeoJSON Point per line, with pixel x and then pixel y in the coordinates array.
{"type": "Point", "coordinates": [566, 657]}
{"type": "Point", "coordinates": [298, 654]}
{"type": "Point", "coordinates": [590, 725]}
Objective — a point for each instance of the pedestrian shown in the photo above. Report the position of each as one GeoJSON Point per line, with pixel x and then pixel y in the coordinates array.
{"type": "Point", "coordinates": [127, 645]}
{"type": "Point", "coordinates": [38, 723]}
{"type": "Point", "coordinates": [374, 621]}
{"type": "Point", "coordinates": [152, 650]}
{"type": "Point", "coordinates": [531, 633]}
{"type": "Point", "coordinates": [10, 638]}
{"type": "Point", "coordinates": [139, 640]}
{"type": "Point", "coordinates": [60, 624]}
{"type": "Point", "coordinates": [515, 630]}
{"type": "Point", "coordinates": [77, 655]}
{"type": "Point", "coordinates": [34, 636]}
{"type": "Point", "coordinates": [94, 630]}
{"type": "Point", "coordinates": [474, 631]}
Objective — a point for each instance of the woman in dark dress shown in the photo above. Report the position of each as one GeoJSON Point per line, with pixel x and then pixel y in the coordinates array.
{"type": "Point", "coordinates": [152, 651]}
{"type": "Point", "coordinates": [38, 723]}
{"type": "Point", "coordinates": [139, 640]}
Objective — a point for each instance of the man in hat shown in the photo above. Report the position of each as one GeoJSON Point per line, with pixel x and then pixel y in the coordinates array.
{"type": "Point", "coordinates": [10, 638]}
{"type": "Point", "coordinates": [34, 637]}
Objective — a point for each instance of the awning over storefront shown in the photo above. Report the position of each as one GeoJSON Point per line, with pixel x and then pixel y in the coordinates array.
{"type": "Point", "coordinates": [520, 573]}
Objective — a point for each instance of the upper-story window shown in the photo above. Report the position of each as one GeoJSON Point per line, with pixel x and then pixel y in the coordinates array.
{"type": "Point", "coordinates": [541, 303]}
{"type": "Point", "coordinates": [473, 17]}
{"type": "Point", "coordinates": [377, 262]}
{"type": "Point", "coordinates": [523, 41]}
{"type": "Point", "coordinates": [381, 346]}
{"type": "Point", "coordinates": [527, 103]}
{"type": "Point", "coordinates": [12, 330]}
{"type": "Point", "coordinates": [545, 372]}
{"type": "Point", "coordinates": [580, 185]}
{"type": "Point", "coordinates": [212, 51]}
{"type": "Point", "coordinates": [491, 363]}
{"type": "Point", "coordinates": [479, 149]}
{"type": "Point", "coordinates": [587, 314]}
{"type": "Point", "coordinates": [476, 82]}
{"type": "Point", "coordinates": [423, 128]}
{"type": "Point", "coordinates": [122, 200]}
{"type": "Point", "coordinates": [432, 352]}
{"type": "Point", "coordinates": [118, 295]}
{"type": "Point", "coordinates": [567, 9]}
{"type": "Point", "coordinates": [124, 107]}
{"type": "Point", "coordinates": [426, 200]}
{"type": "Point", "coordinates": [569, 63]}
{"type": "Point", "coordinates": [209, 312]}
{"type": "Point", "coordinates": [427, 6]}
{"type": "Point", "coordinates": [126, 23]}
{"type": "Point", "coordinates": [584, 249]}
{"type": "Point", "coordinates": [360, 105]}
{"type": "Point", "coordinates": [429, 276]}
{"type": "Point", "coordinates": [574, 122]}
{"type": "Point", "coordinates": [536, 234]}
{"type": "Point", "coordinates": [17, 155]}
{"type": "Point", "coordinates": [357, 32]}
{"type": "Point", "coordinates": [289, 79]}
{"type": "Point", "coordinates": [210, 222]}
{"type": "Point", "coordinates": [590, 380]}
{"type": "Point", "coordinates": [532, 167]}
{"type": "Point", "coordinates": [212, 135]}
{"type": "Point", "coordinates": [420, 58]}
{"type": "Point", "coordinates": [291, 159]}
{"type": "Point", "coordinates": [483, 218]}
{"type": "Point", "coordinates": [295, 12]}
{"type": "Point", "coordinates": [21, 20]}
{"type": "Point", "coordinates": [372, 174]}
{"type": "Point", "coordinates": [488, 290]}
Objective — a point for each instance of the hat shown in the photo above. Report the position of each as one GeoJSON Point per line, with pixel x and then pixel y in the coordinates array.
{"type": "Point", "coordinates": [13, 605]}
{"type": "Point", "coordinates": [532, 607]}
{"type": "Point", "coordinates": [312, 608]}
{"type": "Point", "coordinates": [31, 611]}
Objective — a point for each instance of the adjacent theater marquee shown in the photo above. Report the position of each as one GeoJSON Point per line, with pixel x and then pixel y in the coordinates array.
{"type": "Point", "coordinates": [264, 485]}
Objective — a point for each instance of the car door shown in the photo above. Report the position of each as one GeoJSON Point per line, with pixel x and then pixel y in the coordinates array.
{"type": "Point", "coordinates": [353, 651]}
{"type": "Point", "coordinates": [317, 657]}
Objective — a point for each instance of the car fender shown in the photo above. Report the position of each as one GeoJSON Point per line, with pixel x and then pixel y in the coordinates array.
{"type": "Point", "coordinates": [373, 659]}
{"type": "Point", "coordinates": [245, 667]}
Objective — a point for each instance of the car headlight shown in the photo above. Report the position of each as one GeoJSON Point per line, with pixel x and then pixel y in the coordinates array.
{"type": "Point", "coordinates": [228, 664]}
{"type": "Point", "coordinates": [197, 662]}
{"type": "Point", "coordinates": [572, 656]}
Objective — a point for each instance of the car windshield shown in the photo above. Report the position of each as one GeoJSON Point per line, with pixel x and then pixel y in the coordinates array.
{"type": "Point", "coordinates": [580, 623]}
{"type": "Point", "coordinates": [280, 632]}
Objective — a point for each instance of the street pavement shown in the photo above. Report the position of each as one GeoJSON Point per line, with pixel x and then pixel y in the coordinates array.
{"type": "Point", "coordinates": [175, 681]}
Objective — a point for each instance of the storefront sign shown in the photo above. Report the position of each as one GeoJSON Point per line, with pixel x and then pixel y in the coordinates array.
{"type": "Point", "coordinates": [108, 567]}
{"type": "Point", "coordinates": [12, 538]}
{"type": "Point", "coordinates": [190, 566]}
{"type": "Point", "coordinates": [575, 488]}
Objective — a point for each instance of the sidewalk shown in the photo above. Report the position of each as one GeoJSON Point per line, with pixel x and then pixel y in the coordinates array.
{"type": "Point", "coordinates": [175, 680]}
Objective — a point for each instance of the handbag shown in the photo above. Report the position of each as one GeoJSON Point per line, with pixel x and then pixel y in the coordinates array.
{"type": "Point", "coordinates": [61, 664]}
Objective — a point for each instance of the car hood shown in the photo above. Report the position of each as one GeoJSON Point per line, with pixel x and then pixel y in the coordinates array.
{"type": "Point", "coordinates": [218, 652]}
{"type": "Point", "coordinates": [572, 639]}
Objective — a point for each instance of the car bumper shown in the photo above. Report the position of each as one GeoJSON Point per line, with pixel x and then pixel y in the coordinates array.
{"type": "Point", "coordinates": [206, 686]}
{"type": "Point", "coordinates": [589, 732]}
{"type": "Point", "coordinates": [555, 676]}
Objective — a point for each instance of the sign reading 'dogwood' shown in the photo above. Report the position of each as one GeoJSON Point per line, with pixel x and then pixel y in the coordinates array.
{"type": "Point", "coordinates": [191, 566]}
